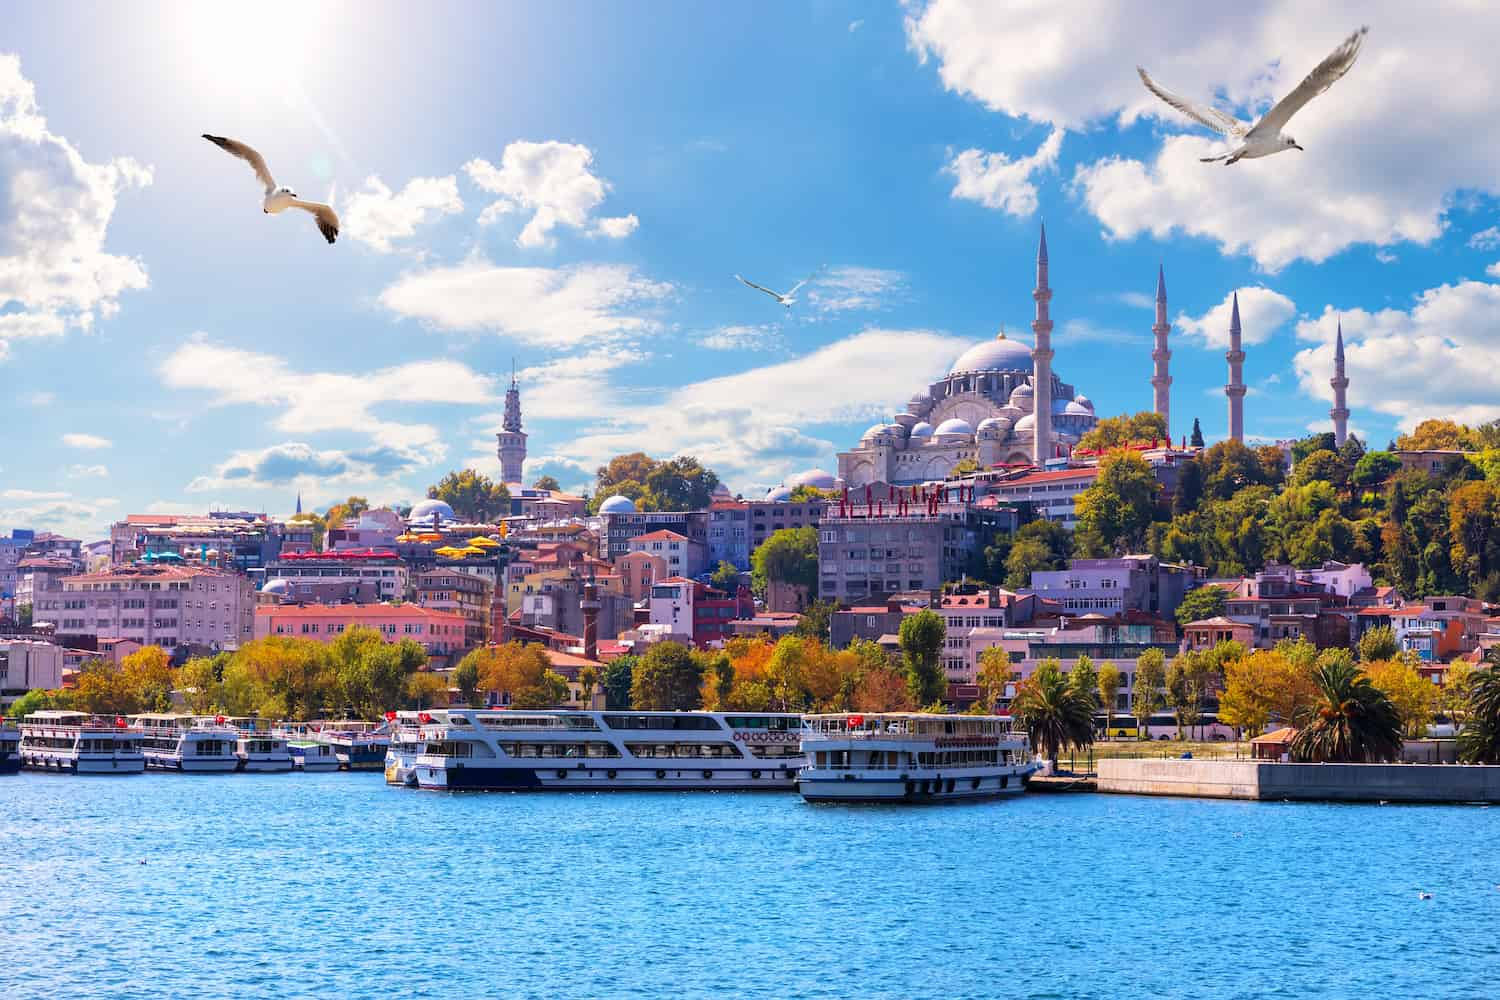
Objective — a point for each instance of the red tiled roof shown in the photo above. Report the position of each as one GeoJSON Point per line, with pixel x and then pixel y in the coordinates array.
{"type": "Point", "coordinates": [1046, 477]}
{"type": "Point", "coordinates": [660, 536]}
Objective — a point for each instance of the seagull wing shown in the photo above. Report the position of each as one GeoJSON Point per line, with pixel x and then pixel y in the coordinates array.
{"type": "Point", "coordinates": [1320, 79]}
{"type": "Point", "coordinates": [760, 288]}
{"type": "Point", "coordinates": [328, 220]}
{"type": "Point", "coordinates": [257, 162]}
{"type": "Point", "coordinates": [1203, 114]}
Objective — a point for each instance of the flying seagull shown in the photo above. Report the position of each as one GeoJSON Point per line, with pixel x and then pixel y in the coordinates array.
{"type": "Point", "coordinates": [785, 299]}
{"type": "Point", "coordinates": [1265, 136]}
{"type": "Point", "coordinates": [278, 199]}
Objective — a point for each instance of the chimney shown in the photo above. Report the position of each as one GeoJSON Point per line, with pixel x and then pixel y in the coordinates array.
{"type": "Point", "coordinates": [590, 607]}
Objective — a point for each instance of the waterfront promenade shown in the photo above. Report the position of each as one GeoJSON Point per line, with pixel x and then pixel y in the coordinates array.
{"type": "Point", "coordinates": [1251, 779]}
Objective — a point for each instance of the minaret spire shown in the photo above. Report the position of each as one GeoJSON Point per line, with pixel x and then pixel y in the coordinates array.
{"type": "Point", "coordinates": [1235, 390]}
{"type": "Point", "coordinates": [1340, 382]}
{"type": "Point", "coordinates": [1041, 360]}
{"type": "Point", "coordinates": [511, 441]}
{"type": "Point", "coordinates": [1161, 381]}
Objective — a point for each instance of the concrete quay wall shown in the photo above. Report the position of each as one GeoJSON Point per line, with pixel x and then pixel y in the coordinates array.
{"type": "Point", "coordinates": [1248, 779]}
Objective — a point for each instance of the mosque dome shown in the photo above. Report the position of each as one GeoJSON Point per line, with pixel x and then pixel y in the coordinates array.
{"type": "Point", "coordinates": [818, 479]}
{"type": "Point", "coordinates": [1022, 391]}
{"type": "Point", "coordinates": [992, 427]}
{"type": "Point", "coordinates": [1077, 409]}
{"type": "Point", "coordinates": [1084, 402]}
{"type": "Point", "coordinates": [907, 420]}
{"type": "Point", "coordinates": [924, 429]}
{"type": "Point", "coordinates": [779, 494]}
{"type": "Point", "coordinates": [999, 354]}
{"type": "Point", "coordinates": [1026, 425]}
{"type": "Point", "coordinates": [954, 425]}
{"type": "Point", "coordinates": [424, 511]}
{"type": "Point", "coordinates": [277, 586]}
{"type": "Point", "coordinates": [875, 431]}
{"type": "Point", "coordinates": [617, 504]}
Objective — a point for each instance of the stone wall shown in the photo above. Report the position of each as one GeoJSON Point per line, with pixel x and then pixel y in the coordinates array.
{"type": "Point", "coordinates": [1246, 779]}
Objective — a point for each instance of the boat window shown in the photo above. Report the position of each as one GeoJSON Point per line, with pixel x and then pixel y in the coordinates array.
{"type": "Point", "coordinates": [662, 722]}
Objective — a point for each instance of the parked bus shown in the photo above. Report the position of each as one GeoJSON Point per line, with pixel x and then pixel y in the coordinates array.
{"type": "Point", "coordinates": [1163, 726]}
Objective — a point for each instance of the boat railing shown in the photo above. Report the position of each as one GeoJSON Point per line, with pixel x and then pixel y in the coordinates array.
{"type": "Point", "coordinates": [93, 728]}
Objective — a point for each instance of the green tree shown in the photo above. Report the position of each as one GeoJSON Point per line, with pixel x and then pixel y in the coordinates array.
{"type": "Point", "coordinates": [964, 467]}
{"type": "Point", "coordinates": [628, 488]}
{"type": "Point", "coordinates": [1378, 643]}
{"type": "Point", "coordinates": [472, 495]}
{"type": "Point", "coordinates": [789, 555]}
{"type": "Point", "coordinates": [548, 483]}
{"type": "Point", "coordinates": [1150, 678]}
{"type": "Point", "coordinates": [817, 620]}
{"type": "Point", "coordinates": [994, 673]}
{"type": "Point", "coordinates": [1113, 514]}
{"type": "Point", "coordinates": [681, 484]}
{"type": "Point", "coordinates": [1188, 681]}
{"type": "Point", "coordinates": [37, 700]}
{"type": "Point", "coordinates": [1438, 435]}
{"type": "Point", "coordinates": [1474, 527]}
{"type": "Point", "coordinates": [588, 680]}
{"type": "Point", "coordinates": [1084, 680]}
{"type": "Point", "coordinates": [1110, 680]}
{"type": "Point", "coordinates": [1052, 713]}
{"type": "Point", "coordinates": [1413, 696]}
{"type": "Point", "coordinates": [349, 510]}
{"type": "Point", "coordinates": [722, 680]}
{"type": "Point", "coordinates": [922, 636]}
{"type": "Point", "coordinates": [668, 678]}
{"type": "Point", "coordinates": [634, 468]}
{"type": "Point", "coordinates": [1200, 603]}
{"type": "Point", "coordinates": [1189, 491]}
{"type": "Point", "coordinates": [1323, 466]}
{"type": "Point", "coordinates": [1122, 431]}
{"type": "Point", "coordinates": [1479, 739]}
{"type": "Point", "coordinates": [1354, 722]}
{"type": "Point", "coordinates": [1196, 438]}
{"type": "Point", "coordinates": [201, 684]}
{"type": "Point", "coordinates": [1038, 545]}
{"type": "Point", "coordinates": [618, 680]}
{"type": "Point", "coordinates": [466, 678]}
{"type": "Point", "coordinates": [1374, 468]}
{"type": "Point", "coordinates": [726, 577]}
{"type": "Point", "coordinates": [1323, 441]}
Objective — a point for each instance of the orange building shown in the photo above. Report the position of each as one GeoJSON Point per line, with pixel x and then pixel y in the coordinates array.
{"type": "Point", "coordinates": [439, 632]}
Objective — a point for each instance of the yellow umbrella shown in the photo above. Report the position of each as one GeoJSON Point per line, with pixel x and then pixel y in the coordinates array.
{"type": "Point", "coordinates": [483, 543]}
{"type": "Point", "coordinates": [448, 552]}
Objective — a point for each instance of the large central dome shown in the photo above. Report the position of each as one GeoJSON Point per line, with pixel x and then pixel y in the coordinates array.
{"type": "Point", "coordinates": [999, 354]}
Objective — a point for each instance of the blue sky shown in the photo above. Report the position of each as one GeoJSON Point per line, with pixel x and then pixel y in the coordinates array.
{"type": "Point", "coordinates": [573, 187]}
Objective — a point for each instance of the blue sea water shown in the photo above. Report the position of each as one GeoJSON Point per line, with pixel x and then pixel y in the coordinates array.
{"type": "Point", "coordinates": [335, 885]}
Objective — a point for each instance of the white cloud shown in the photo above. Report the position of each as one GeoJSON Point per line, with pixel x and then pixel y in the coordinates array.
{"type": "Point", "coordinates": [1486, 239]}
{"type": "Point", "coordinates": [1493, 270]}
{"type": "Point", "coordinates": [1440, 358]}
{"type": "Point", "coordinates": [1262, 313]}
{"type": "Point", "coordinates": [552, 307]}
{"type": "Point", "coordinates": [761, 337]}
{"type": "Point", "coordinates": [1083, 331]}
{"type": "Point", "coordinates": [32, 495]}
{"type": "Point", "coordinates": [1136, 300]}
{"type": "Point", "coordinates": [88, 471]}
{"type": "Point", "coordinates": [308, 402]}
{"type": "Point", "coordinates": [296, 464]}
{"type": "Point", "coordinates": [1372, 172]}
{"type": "Point", "coordinates": [855, 26]}
{"type": "Point", "coordinates": [844, 289]}
{"type": "Point", "coordinates": [551, 180]}
{"type": "Point", "coordinates": [54, 511]}
{"type": "Point", "coordinates": [90, 442]}
{"type": "Point", "coordinates": [54, 273]}
{"type": "Point", "coordinates": [40, 398]}
{"type": "Point", "coordinates": [1386, 257]}
{"type": "Point", "coordinates": [377, 215]}
{"type": "Point", "coordinates": [998, 181]}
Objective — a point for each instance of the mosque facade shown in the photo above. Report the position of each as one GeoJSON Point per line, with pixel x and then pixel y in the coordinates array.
{"type": "Point", "coordinates": [985, 410]}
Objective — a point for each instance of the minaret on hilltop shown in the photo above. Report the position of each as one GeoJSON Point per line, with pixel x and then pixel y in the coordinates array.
{"type": "Point", "coordinates": [1235, 390]}
{"type": "Point", "coordinates": [1041, 358]}
{"type": "Point", "coordinates": [1161, 382]}
{"type": "Point", "coordinates": [511, 441]}
{"type": "Point", "coordinates": [1340, 382]}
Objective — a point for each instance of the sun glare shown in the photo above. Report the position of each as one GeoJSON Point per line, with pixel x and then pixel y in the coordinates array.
{"type": "Point", "coordinates": [258, 50]}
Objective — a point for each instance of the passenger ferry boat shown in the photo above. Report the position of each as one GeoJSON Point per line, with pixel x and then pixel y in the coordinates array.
{"type": "Point", "coordinates": [510, 750]}
{"type": "Point", "coordinates": [358, 745]}
{"type": "Point", "coordinates": [309, 751]}
{"type": "Point", "coordinates": [79, 743]}
{"type": "Point", "coordinates": [406, 746]}
{"type": "Point", "coordinates": [174, 742]}
{"type": "Point", "coordinates": [10, 748]}
{"type": "Point", "coordinates": [257, 748]}
{"type": "Point", "coordinates": [912, 757]}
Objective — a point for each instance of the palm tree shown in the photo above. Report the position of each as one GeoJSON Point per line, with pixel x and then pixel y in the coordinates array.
{"type": "Point", "coordinates": [1479, 740]}
{"type": "Point", "coordinates": [1354, 723]}
{"type": "Point", "coordinates": [1053, 713]}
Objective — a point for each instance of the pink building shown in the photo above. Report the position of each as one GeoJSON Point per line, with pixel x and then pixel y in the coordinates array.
{"type": "Point", "coordinates": [439, 632]}
{"type": "Point", "coordinates": [638, 571]}
{"type": "Point", "coordinates": [684, 557]}
{"type": "Point", "coordinates": [160, 605]}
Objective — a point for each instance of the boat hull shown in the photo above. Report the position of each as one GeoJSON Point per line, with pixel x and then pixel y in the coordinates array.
{"type": "Point", "coordinates": [265, 765]}
{"type": "Point", "coordinates": [10, 764]}
{"type": "Point", "coordinates": [193, 765]}
{"type": "Point", "coordinates": [84, 765]}
{"type": "Point", "coordinates": [936, 787]}
{"type": "Point", "coordinates": [515, 778]}
{"type": "Point", "coordinates": [360, 758]}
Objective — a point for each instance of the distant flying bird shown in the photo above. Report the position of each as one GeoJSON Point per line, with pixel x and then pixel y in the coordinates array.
{"type": "Point", "coordinates": [1265, 136]}
{"type": "Point", "coordinates": [278, 199]}
{"type": "Point", "coordinates": [785, 299]}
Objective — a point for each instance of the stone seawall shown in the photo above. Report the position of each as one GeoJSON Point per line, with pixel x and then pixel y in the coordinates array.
{"type": "Point", "coordinates": [1248, 779]}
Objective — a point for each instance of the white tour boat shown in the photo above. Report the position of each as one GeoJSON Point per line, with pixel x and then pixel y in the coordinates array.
{"type": "Point", "coordinates": [80, 743]}
{"type": "Point", "coordinates": [406, 746]}
{"type": "Point", "coordinates": [513, 750]}
{"type": "Point", "coordinates": [175, 742]}
{"type": "Point", "coordinates": [912, 757]}
{"type": "Point", "coordinates": [10, 748]}
{"type": "Point", "coordinates": [358, 745]}
{"type": "Point", "coordinates": [310, 752]}
{"type": "Point", "coordinates": [257, 747]}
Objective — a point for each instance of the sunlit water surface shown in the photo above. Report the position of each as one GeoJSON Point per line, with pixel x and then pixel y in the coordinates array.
{"type": "Point", "coordinates": [334, 885]}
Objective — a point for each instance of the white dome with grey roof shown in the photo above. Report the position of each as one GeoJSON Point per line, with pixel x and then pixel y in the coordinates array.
{"type": "Point", "coordinates": [617, 504]}
{"type": "Point", "coordinates": [953, 425]}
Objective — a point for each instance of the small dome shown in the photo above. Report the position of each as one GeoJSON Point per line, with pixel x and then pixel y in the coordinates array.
{"type": "Point", "coordinates": [924, 429]}
{"type": "Point", "coordinates": [994, 355]}
{"type": "Point", "coordinates": [875, 431]}
{"type": "Point", "coordinates": [818, 479]}
{"type": "Point", "coordinates": [1077, 409]}
{"type": "Point", "coordinates": [1024, 391]}
{"type": "Point", "coordinates": [1011, 413]}
{"type": "Point", "coordinates": [424, 511]}
{"type": "Point", "coordinates": [277, 586]}
{"type": "Point", "coordinates": [993, 424]}
{"type": "Point", "coordinates": [778, 494]}
{"type": "Point", "coordinates": [1084, 402]}
{"type": "Point", "coordinates": [954, 425]}
{"type": "Point", "coordinates": [907, 420]}
{"type": "Point", "coordinates": [1026, 425]}
{"type": "Point", "coordinates": [617, 504]}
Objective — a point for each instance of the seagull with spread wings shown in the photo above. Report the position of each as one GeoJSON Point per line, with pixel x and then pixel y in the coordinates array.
{"type": "Point", "coordinates": [279, 199]}
{"type": "Point", "coordinates": [1265, 136]}
{"type": "Point", "coordinates": [786, 298]}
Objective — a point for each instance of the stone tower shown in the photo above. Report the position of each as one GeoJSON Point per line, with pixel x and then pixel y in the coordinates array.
{"type": "Point", "coordinates": [1340, 382]}
{"type": "Point", "coordinates": [1041, 358]}
{"type": "Point", "coordinates": [1161, 382]}
{"type": "Point", "coordinates": [1235, 390]}
{"type": "Point", "coordinates": [511, 441]}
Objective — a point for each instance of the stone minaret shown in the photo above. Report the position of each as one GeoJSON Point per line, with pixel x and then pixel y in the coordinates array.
{"type": "Point", "coordinates": [511, 440]}
{"type": "Point", "coordinates": [1041, 359]}
{"type": "Point", "coordinates": [1161, 382]}
{"type": "Point", "coordinates": [1235, 390]}
{"type": "Point", "coordinates": [1340, 382]}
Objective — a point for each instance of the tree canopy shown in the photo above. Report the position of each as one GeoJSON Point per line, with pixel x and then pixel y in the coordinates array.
{"type": "Point", "coordinates": [788, 555]}
{"type": "Point", "coordinates": [1144, 427]}
{"type": "Point", "coordinates": [922, 636]}
{"type": "Point", "coordinates": [680, 483]}
{"type": "Point", "coordinates": [472, 495]}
